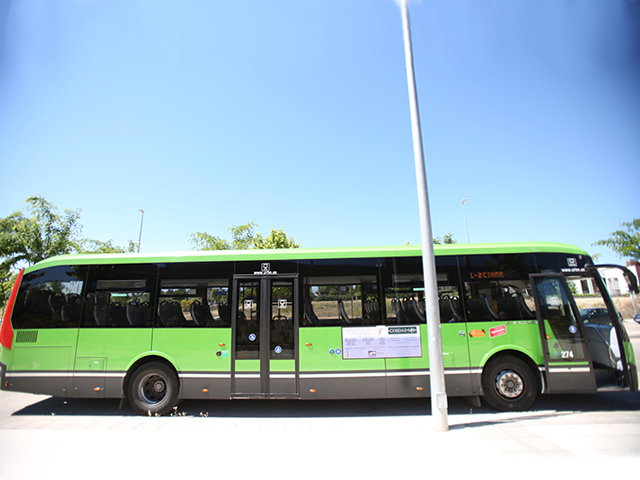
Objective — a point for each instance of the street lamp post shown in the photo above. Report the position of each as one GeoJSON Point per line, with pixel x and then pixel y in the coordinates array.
{"type": "Point", "coordinates": [439, 408]}
{"type": "Point", "coordinates": [464, 211]}
{"type": "Point", "coordinates": [140, 237]}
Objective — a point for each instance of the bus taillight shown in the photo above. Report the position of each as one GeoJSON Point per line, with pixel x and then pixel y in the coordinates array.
{"type": "Point", "coordinates": [6, 332]}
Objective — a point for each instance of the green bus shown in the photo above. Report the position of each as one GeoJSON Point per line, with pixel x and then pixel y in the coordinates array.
{"type": "Point", "coordinates": [313, 324]}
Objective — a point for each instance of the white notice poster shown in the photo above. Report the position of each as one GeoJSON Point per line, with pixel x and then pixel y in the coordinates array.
{"type": "Point", "coordinates": [381, 342]}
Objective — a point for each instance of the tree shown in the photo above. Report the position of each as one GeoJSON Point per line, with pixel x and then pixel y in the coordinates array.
{"type": "Point", "coordinates": [276, 239]}
{"type": "Point", "coordinates": [244, 238]}
{"type": "Point", "coordinates": [204, 241]}
{"type": "Point", "coordinates": [42, 234]}
{"type": "Point", "coordinates": [32, 237]}
{"type": "Point", "coordinates": [6, 284]}
{"type": "Point", "coordinates": [626, 242]}
{"type": "Point", "coordinates": [447, 239]}
{"type": "Point", "coordinates": [86, 245]}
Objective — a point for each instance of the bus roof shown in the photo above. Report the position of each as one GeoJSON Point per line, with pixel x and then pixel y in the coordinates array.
{"type": "Point", "coordinates": [303, 254]}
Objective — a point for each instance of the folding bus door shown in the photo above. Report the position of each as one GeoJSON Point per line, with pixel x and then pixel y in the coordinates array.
{"type": "Point", "coordinates": [567, 360]}
{"type": "Point", "coordinates": [264, 337]}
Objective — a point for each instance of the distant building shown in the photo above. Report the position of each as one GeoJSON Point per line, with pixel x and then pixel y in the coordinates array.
{"type": "Point", "coordinates": [613, 279]}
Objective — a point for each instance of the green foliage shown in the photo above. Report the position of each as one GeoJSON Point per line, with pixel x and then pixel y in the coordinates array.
{"type": "Point", "coordinates": [6, 284]}
{"type": "Point", "coordinates": [447, 239]}
{"type": "Point", "coordinates": [573, 288]}
{"type": "Point", "coordinates": [96, 246]}
{"type": "Point", "coordinates": [40, 231]}
{"type": "Point", "coordinates": [626, 242]}
{"type": "Point", "coordinates": [204, 241]}
{"type": "Point", "coordinates": [276, 239]}
{"type": "Point", "coordinates": [243, 238]}
{"type": "Point", "coordinates": [41, 234]}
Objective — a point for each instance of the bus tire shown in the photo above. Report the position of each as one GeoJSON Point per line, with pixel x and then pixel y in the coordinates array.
{"type": "Point", "coordinates": [153, 389]}
{"type": "Point", "coordinates": [509, 384]}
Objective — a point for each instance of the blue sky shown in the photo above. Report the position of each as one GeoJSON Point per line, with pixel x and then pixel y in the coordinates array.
{"type": "Point", "coordinates": [295, 115]}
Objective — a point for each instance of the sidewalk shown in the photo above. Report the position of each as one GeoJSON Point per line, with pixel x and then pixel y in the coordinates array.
{"type": "Point", "coordinates": [362, 447]}
{"type": "Point", "coordinates": [595, 434]}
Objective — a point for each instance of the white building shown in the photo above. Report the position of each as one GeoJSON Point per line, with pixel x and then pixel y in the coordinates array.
{"type": "Point", "coordinates": [613, 279]}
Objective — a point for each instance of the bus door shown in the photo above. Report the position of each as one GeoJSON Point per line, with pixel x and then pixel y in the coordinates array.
{"type": "Point", "coordinates": [607, 338]}
{"type": "Point", "coordinates": [567, 360]}
{"type": "Point", "coordinates": [264, 329]}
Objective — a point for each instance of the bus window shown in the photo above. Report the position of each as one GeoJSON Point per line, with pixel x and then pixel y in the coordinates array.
{"type": "Point", "coordinates": [563, 335]}
{"type": "Point", "coordinates": [403, 287]}
{"type": "Point", "coordinates": [49, 298]}
{"type": "Point", "coordinates": [194, 295]}
{"type": "Point", "coordinates": [497, 287]}
{"type": "Point", "coordinates": [194, 303]}
{"type": "Point", "coordinates": [404, 300]}
{"type": "Point", "coordinates": [404, 291]}
{"type": "Point", "coordinates": [449, 297]}
{"type": "Point", "coordinates": [341, 301]}
{"type": "Point", "coordinates": [119, 296]}
{"type": "Point", "coordinates": [598, 318]}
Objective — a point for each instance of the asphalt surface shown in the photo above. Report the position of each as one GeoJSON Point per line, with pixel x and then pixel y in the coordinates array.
{"type": "Point", "coordinates": [45, 437]}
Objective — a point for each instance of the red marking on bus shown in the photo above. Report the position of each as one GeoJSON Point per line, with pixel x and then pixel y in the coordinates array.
{"type": "Point", "coordinates": [6, 332]}
{"type": "Point", "coordinates": [497, 331]}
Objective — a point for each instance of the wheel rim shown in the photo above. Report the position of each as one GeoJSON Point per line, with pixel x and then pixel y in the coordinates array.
{"type": "Point", "coordinates": [509, 384]}
{"type": "Point", "coordinates": [153, 389]}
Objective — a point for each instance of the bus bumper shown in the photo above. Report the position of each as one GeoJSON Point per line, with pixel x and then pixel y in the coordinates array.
{"type": "Point", "coordinates": [3, 375]}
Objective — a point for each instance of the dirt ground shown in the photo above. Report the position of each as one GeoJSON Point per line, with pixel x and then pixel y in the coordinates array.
{"type": "Point", "coordinates": [624, 305]}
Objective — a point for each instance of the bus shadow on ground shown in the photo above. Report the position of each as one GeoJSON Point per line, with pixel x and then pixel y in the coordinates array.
{"type": "Point", "coordinates": [602, 402]}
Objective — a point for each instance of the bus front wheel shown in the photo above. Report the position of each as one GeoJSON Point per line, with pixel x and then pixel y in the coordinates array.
{"type": "Point", "coordinates": [153, 389]}
{"type": "Point", "coordinates": [509, 384]}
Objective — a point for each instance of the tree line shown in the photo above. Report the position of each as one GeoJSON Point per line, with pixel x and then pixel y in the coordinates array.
{"type": "Point", "coordinates": [40, 231]}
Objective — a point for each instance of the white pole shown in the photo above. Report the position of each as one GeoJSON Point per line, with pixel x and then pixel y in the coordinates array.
{"type": "Point", "coordinates": [439, 408]}
{"type": "Point", "coordinates": [140, 237]}
{"type": "Point", "coordinates": [465, 219]}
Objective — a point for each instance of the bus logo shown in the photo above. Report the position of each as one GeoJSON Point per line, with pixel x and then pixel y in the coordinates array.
{"type": "Point", "coordinates": [265, 269]}
{"type": "Point", "coordinates": [572, 262]}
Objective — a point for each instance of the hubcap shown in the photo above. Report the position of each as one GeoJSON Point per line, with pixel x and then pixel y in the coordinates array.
{"type": "Point", "coordinates": [509, 384]}
{"type": "Point", "coordinates": [153, 389]}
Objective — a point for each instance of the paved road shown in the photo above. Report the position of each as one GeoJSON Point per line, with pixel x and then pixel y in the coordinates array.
{"type": "Point", "coordinates": [44, 437]}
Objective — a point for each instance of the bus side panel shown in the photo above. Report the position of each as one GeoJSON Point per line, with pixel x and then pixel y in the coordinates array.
{"type": "Point", "coordinates": [455, 350]}
{"type": "Point", "coordinates": [327, 375]}
{"type": "Point", "coordinates": [6, 360]}
{"type": "Point", "coordinates": [631, 363]}
{"type": "Point", "coordinates": [202, 357]}
{"type": "Point", "coordinates": [408, 376]}
{"type": "Point", "coordinates": [487, 339]}
{"type": "Point", "coordinates": [102, 358]}
{"type": "Point", "coordinates": [42, 361]}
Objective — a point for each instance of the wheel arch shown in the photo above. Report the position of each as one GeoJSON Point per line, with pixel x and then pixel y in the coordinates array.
{"type": "Point", "coordinates": [520, 354]}
{"type": "Point", "coordinates": [151, 357]}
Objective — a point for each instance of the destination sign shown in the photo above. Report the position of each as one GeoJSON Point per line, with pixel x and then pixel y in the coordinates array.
{"type": "Point", "coordinates": [381, 342]}
{"type": "Point", "coordinates": [486, 275]}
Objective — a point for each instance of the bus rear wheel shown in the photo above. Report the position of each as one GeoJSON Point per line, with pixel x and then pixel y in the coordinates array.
{"type": "Point", "coordinates": [509, 384]}
{"type": "Point", "coordinates": [153, 389]}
